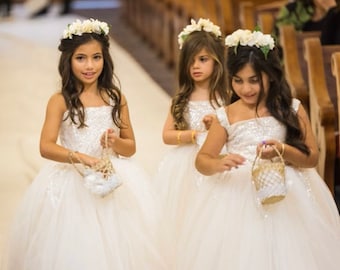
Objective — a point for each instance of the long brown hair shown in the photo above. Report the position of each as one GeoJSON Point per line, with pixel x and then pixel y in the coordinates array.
{"type": "Point", "coordinates": [72, 88]}
{"type": "Point", "coordinates": [279, 97]}
{"type": "Point", "coordinates": [193, 44]}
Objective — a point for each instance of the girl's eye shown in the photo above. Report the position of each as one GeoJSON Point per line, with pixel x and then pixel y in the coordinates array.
{"type": "Point", "coordinates": [97, 57]}
{"type": "Point", "coordinates": [204, 59]}
{"type": "Point", "coordinates": [254, 80]}
{"type": "Point", "coordinates": [237, 80]}
{"type": "Point", "coordinates": [80, 57]}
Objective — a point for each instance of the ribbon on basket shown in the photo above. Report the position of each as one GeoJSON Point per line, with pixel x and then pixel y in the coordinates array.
{"type": "Point", "coordinates": [269, 178]}
{"type": "Point", "coordinates": [101, 179]}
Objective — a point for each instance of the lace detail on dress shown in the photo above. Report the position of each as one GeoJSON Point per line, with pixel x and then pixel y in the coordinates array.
{"type": "Point", "coordinates": [222, 117]}
{"type": "Point", "coordinates": [195, 112]}
{"type": "Point", "coordinates": [56, 187]}
{"type": "Point", "coordinates": [244, 136]}
{"type": "Point", "coordinates": [295, 104]}
{"type": "Point", "coordinates": [304, 175]}
{"type": "Point", "coordinates": [87, 139]}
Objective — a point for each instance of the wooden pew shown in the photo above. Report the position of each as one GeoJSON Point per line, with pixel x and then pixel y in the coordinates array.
{"type": "Point", "coordinates": [247, 15]}
{"type": "Point", "coordinates": [294, 63]}
{"type": "Point", "coordinates": [266, 21]}
{"type": "Point", "coordinates": [253, 14]}
{"type": "Point", "coordinates": [179, 15]}
{"type": "Point", "coordinates": [159, 22]}
{"type": "Point", "coordinates": [336, 73]}
{"type": "Point", "coordinates": [266, 15]}
{"type": "Point", "coordinates": [323, 105]}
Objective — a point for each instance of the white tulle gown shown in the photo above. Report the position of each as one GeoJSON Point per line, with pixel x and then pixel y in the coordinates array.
{"type": "Point", "coordinates": [177, 179]}
{"type": "Point", "coordinates": [230, 230]}
{"type": "Point", "coordinates": [60, 225]}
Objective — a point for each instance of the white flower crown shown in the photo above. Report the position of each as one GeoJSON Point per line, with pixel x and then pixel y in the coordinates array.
{"type": "Point", "coordinates": [87, 26]}
{"type": "Point", "coordinates": [264, 42]}
{"type": "Point", "coordinates": [202, 25]}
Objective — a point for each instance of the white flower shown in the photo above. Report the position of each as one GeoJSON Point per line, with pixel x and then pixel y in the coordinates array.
{"type": "Point", "coordinates": [87, 26]}
{"type": "Point", "coordinates": [238, 37]}
{"type": "Point", "coordinates": [247, 38]}
{"type": "Point", "coordinates": [202, 25]}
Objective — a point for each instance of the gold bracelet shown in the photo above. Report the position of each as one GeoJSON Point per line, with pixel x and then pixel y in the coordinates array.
{"type": "Point", "coordinates": [70, 156]}
{"type": "Point", "coordinates": [193, 136]}
{"type": "Point", "coordinates": [282, 149]}
{"type": "Point", "coordinates": [179, 133]}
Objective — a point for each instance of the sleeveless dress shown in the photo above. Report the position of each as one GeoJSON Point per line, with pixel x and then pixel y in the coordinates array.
{"type": "Point", "coordinates": [177, 179]}
{"type": "Point", "coordinates": [231, 230]}
{"type": "Point", "coordinates": [60, 225]}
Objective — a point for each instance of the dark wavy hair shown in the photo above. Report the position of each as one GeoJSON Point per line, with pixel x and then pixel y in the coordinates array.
{"type": "Point", "coordinates": [72, 88]}
{"type": "Point", "coordinates": [279, 96]}
{"type": "Point", "coordinates": [193, 44]}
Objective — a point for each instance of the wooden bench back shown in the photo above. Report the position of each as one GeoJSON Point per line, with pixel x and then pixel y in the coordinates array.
{"type": "Point", "coordinates": [294, 63]}
{"type": "Point", "coordinates": [335, 64]}
{"type": "Point", "coordinates": [262, 15]}
{"type": "Point", "coordinates": [323, 110]}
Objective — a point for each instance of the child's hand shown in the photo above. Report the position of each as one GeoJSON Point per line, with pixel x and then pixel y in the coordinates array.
{"type": "Point", "coordinates": [229, 161]}
{"type": "Point", "coordinates": [207, 120]}
{"type": "Point", "coordinates": [111, 138]}
{"type": "Point", "coordinates": [268, 151]}
{"type": "Point", "coordinates": [85, 159]}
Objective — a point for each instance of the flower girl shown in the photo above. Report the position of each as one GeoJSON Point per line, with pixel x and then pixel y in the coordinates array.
{"type": "Point", "coordinates": [75, 215]}
{"type": "Point", "coordinates": [201, 90]}
{"type": "Point", "coordinates": [240, 227]}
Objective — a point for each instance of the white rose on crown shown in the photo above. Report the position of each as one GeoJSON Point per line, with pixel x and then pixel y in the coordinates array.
{"type": "Point", "coordinates": [87, 26]}
{"type": "Point", "coordinates": [242, 37]}
{"type": "Point", "coordinates": [202, 25]}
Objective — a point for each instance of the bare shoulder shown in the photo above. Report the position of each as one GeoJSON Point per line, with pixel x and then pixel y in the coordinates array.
{"type": "Point", "coordinates": [57, 102]}
{"type": "Point", "coordinates": [123, 100]}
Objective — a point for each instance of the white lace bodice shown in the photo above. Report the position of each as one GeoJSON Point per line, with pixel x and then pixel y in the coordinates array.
{"type": "Point", "coordinates": [87, 139]}
{"type": "Point", "coordinates": [244, 136]}
{"type": "Point", "coordinates": [195, 112]}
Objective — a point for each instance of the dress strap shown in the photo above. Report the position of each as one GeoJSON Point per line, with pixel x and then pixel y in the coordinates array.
{"type": "Point", "coordinates": [222, 117]}
{"type": "Point", "coordinates": [295, 104]}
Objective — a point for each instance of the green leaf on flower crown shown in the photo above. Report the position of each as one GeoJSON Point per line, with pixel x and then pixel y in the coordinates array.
{"type": "Point", "coordinates": [265, 50]}
{"type": "Point", "coordinates": [235, 48]}
{"type": "Point", "coordinates": [257, 28]}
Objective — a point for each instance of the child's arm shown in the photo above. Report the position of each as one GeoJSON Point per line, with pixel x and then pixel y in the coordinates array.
{"type": "Point", "coordinates": [49, 148]}
{"type": "Point", "coordinates": [174, 136]}
{"type": "Point", "coordinates": [208, 160]}
{"type": "Point", "coordinates": [124, 144]}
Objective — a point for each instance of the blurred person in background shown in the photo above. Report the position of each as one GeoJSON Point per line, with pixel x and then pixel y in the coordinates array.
{"type": "Point", "coordinates": [5, 8]}
{"type": "Point", "coordinates": [330, 33]}
{"type": "Point", "coordinates": [66, 8]}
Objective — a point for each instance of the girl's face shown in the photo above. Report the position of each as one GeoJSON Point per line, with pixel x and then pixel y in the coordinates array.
{"type": "Point", "coordinates": [246, 85]}
{"type": "Point", "coordinates": [202, 66]}
{"type": "Point", "coordinates": [87, 62]}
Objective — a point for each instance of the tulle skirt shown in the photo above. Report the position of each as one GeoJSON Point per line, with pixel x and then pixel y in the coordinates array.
{"type": "Point", "coordinates": [227, 227]}
{"type": "Point", "coordinates": [60, 225]}
{"type": "Point", "coordinates": [177, 182]}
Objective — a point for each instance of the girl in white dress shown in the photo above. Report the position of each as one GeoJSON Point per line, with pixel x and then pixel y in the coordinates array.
{"type": "Point", "coordinates": [233, 229]}
{"type": "Point", "coordinates": [201, 90]}
{"type": "Point", "coordinates": [61, 224]}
